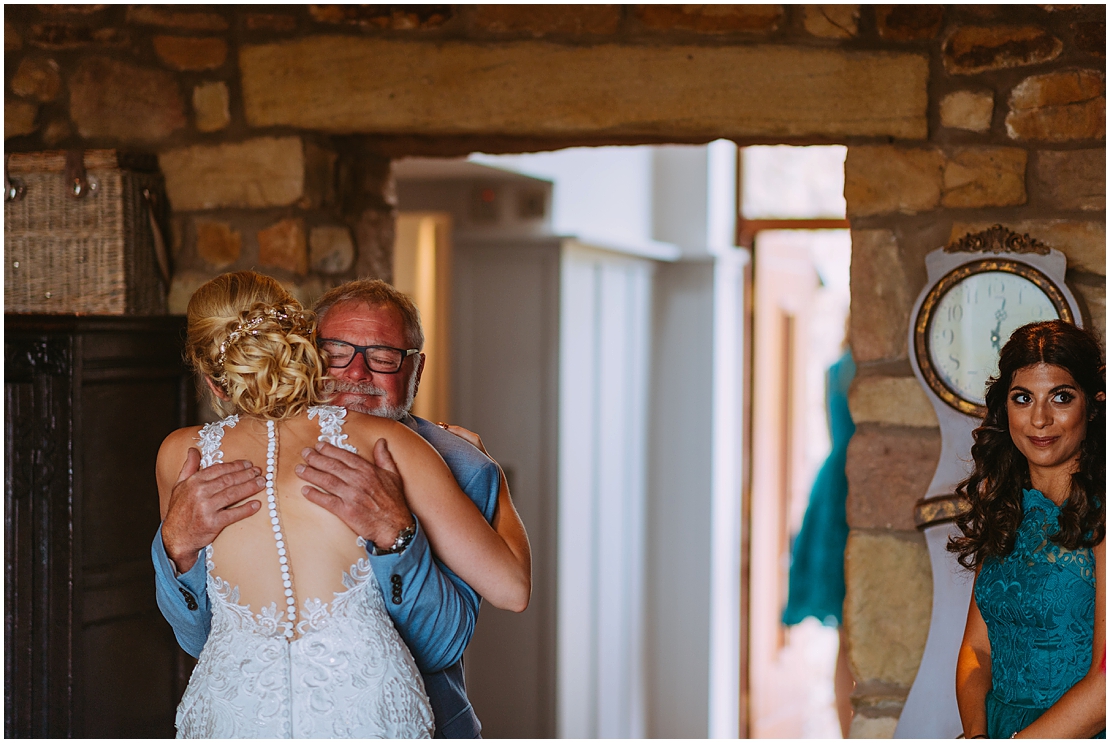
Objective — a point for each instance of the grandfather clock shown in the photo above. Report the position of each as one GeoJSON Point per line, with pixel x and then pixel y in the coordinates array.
{"type": "Point", "coordinates": [979, 290]}
{"type": "Point", "coordinates": [88, 401]}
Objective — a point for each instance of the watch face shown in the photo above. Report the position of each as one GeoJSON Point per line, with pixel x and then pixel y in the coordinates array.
{"type": "Point", "coordinates": [967, 318]}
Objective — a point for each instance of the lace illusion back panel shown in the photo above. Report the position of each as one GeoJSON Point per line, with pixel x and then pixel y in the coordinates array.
{"type": "Point", "coordinates": [1038, 603]}
{"type": "Point", "coordinates": [301, 644]}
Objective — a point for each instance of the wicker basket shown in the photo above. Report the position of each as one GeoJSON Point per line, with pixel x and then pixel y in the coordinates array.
{"type": "Point", "coordinates": [101, 253]}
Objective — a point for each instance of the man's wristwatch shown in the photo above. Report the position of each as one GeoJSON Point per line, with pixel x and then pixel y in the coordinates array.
{"type": "Point", "coordinates": [404, 538]}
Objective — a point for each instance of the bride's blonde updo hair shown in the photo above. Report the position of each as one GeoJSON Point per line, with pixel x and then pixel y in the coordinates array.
{"type": "Point", "coordinates": [256, 342]}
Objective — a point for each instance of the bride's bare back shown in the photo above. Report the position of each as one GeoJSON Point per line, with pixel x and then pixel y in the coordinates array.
{"type": "Point", "coordinates": [318, 546]}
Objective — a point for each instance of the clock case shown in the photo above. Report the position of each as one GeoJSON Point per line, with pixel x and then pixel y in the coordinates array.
{"type": "Point", "coordinates": [930, 710]}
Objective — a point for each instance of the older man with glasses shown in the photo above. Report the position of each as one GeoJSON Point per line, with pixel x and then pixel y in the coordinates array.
{"type": "Point", "coordinates": [372, 337]}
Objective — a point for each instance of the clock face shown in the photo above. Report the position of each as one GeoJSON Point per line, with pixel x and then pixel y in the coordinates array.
{"type": "Point", "coordinates": [967, 318]}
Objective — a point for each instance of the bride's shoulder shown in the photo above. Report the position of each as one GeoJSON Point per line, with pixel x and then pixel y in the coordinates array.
{"type": "Point", "coordinates": [180, 440]}
{"type": "Point", "coordinates": [363, 423]}
{"type": "Point", "coordinates": [365, 430]}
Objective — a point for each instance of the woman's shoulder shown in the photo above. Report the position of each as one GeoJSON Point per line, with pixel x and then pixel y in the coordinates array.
{"type": "Point", "coordinates": [366, 424]}
{"type": "Point", "coordinates": [364, 430]}
{"type": "Point", "coordinates": [180, 439]}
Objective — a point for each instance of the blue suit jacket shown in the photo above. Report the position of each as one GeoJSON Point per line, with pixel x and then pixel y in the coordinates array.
{"type": "Point", "coordinates": [437, 613]}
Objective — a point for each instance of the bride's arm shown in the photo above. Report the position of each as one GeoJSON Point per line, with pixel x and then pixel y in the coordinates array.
{"type": "Point", "coordinates": [497, 564]}
{"type": "Point", "coordinates": [506, 520]}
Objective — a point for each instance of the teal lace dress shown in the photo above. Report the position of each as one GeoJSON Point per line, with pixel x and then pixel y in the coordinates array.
{"type": "Point", "coordinates": [816, 587]}
{"type": "Point", "coordinates": [1039, 606]}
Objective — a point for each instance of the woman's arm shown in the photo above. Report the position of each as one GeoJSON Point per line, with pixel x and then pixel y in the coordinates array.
{"type": "Point", "coordinates": [973, 673]}
{"type": "Point", "coordinates": [1081, 712]}
{"type": "Point", "coordinates": [497, 564]}
{"type": "Point", "coordinates": [506, 520]}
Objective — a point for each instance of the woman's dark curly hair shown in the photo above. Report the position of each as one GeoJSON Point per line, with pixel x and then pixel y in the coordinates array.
{"type": "Point", "coordinates": [1001, 471]}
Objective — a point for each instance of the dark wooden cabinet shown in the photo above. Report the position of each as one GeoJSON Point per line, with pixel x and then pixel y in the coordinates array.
{"type": "Point", "coordinates": [88, 401]}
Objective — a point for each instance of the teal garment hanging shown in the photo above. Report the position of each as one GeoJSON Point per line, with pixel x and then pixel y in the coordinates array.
{"type": "Point", "coordinates": [817, 564]}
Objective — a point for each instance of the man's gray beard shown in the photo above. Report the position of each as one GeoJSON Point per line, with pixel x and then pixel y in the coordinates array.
{"type": "Point", "coordinates": [368, 392]}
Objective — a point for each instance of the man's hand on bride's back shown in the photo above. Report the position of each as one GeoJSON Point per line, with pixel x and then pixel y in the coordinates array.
{"type": "Point", "coordinates": [367, 496]}
{"type": "Point", "coordinates": [201, 503]}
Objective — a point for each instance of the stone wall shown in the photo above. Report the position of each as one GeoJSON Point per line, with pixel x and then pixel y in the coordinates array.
{"type": "Point", "coordinates": [275, 128]}
{"type": "Point", "coordinates": [1016, 136]}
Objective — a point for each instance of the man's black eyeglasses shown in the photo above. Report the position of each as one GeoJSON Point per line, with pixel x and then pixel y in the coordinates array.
{"type": "Point", "coordinates": [379, 359]}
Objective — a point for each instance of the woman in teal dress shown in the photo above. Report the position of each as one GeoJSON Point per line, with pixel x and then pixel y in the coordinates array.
{"type": "Point", "coordinates": [1032, 659]}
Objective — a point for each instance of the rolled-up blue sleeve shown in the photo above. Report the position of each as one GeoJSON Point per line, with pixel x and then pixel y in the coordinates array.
{"type": "Point", "coordinates": [183, 599]}
{"type": "Point", "coordinates": [433, 609]}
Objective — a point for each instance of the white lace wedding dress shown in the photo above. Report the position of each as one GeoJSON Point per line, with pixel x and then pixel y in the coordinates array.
{"type": "Point", "coordinates": [345, 673]}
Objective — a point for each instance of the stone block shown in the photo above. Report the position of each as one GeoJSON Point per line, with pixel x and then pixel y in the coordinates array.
{"type": "Point", "coordinates": [831, 21]}
{"type": "Point", "coordinates": [880, 179]}
{"type": "Point", "coordinates": [872, 727]}
{"type": "Point", "coordinates": [330, 249]}
{"type": "Point", "coordinates": [1090, 37]}
{"type": "Point", "coordinates": [64, 35]}
{"type": "Point", "coordinates": [19, 118]}
{"type": "Point", "coordinates": [344, 84]}
{"type": "Point", "coordinates": [1082, 241]}
{"type": "Point", "coordinates": [57, 132]}
{"type": "Point", "coordinates": [969, 110]}
{"type": "Point", "coordinates": [308, 291]}
{"type": "Point", "coordinates": [889, 468]}
{"type": "Point", "coordinates": [283, 246]}
{"type": "Point", "coordinates": [182, 287]}
{"type": "Point", "coordinates": [38, 79]}
{"type": "Point", "coordinates": [12, 40]}
{"type": "Point", "coordinates": [887, 636]}
{"type": "Point", "coordinates": [320, 176]}
{"type": "Point", "coordinates": [973, 49]}
{"type": "Point", "coordinates": [881, 299]}
{"type": "Point", "coordinates": [1059, 107]}
{"type": "Point", "coordinates": [893, 401]}
{"type": "Point", "coordinates": [270, 22]}
{"type": "Point", "coordinates": [374, 237]}
{"type": "Point", "coordinates": [908, 22]}
{"type": "Point", "coordinates": [1094, 299]}
{"type": "Point", "coordinates": [988, 176]}
{"type": "Point", "coordinates": [217, 243]}
{"type": "Point", "coordinates": [189, 53]}
{"type": "Point", "coordinates": [167, 17]}
{"type": "Point", "coordinates": [544, 20]}
{"type": "Point", "coordinates": [395, 17]}
{"type": "Point", "coordinates": [116, 100]}
{"type": "Point", "coordinates": [711, 19]}
{"type": "Point", "coordinates": [261, 172]}
{"type": "Point", "coordinates": [1070, 179]}
{"type": "Point", "coordinates": [210, 106]}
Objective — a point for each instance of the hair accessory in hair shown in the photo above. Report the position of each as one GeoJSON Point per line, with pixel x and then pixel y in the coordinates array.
{"type": "Point", "coordinates": [250, 327]}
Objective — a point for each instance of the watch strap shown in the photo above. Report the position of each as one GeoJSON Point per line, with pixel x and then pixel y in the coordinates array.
{"type": "Point", "coordinates": [403, 540]}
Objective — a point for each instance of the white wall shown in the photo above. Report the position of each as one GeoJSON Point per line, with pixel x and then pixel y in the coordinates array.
{"type": "Point", "coordinates": [602, 194]}
{"type": "Point", "coordinates": [680, 501]}
{"type": "Point", "coordinates": [671, 202]}
{"type": "Point", "coordinates": [604, 330]}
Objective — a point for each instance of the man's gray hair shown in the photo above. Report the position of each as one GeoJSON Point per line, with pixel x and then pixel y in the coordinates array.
{"type": "Point", "coordinates": [376, 293]}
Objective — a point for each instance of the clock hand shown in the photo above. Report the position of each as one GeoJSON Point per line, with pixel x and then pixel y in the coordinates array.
{"type": "Point", "coordinates": [996, 337]}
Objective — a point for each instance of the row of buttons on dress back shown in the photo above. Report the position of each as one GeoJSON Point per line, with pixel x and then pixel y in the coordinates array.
{"type": "Point", "coordinates": [271, 499]}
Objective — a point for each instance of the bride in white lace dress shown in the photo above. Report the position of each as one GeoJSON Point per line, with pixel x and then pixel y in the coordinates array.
{"type": "Point", "coordinates": [301, 644]}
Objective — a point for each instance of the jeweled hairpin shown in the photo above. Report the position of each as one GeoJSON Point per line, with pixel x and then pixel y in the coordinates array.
{"type": "Point", "coordinates": [249, 327]}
